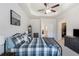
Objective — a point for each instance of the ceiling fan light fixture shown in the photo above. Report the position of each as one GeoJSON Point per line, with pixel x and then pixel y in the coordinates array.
{"type": "Point", "coordinates": [48, 11]}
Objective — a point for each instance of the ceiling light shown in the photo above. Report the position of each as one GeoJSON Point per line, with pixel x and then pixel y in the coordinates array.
{"type": "Point", "coordinates": [48, 11]}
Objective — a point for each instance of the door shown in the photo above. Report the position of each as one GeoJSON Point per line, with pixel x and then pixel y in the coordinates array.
{"type": "Point", "coordinates": [63, 30]}
{"type": "Point", "coordinates": [60, 29]}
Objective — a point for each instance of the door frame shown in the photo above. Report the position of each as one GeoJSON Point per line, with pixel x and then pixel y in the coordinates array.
{"type": "Point", "coordinates": [60, 28]}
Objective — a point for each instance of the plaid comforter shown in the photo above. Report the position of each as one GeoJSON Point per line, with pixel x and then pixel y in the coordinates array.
{"type": "Point", "coordinates": [37, 47]}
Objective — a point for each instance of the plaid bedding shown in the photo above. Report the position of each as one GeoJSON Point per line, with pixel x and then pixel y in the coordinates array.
{"type": "Point", "coordinates": [37, 47]}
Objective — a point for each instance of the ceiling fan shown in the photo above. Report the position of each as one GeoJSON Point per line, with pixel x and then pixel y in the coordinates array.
{"type": "Point", "coordinates": [48, 9]}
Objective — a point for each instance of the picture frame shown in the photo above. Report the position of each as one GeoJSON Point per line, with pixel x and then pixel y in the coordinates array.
{"type": "Point", "coordinates": [14, 18]}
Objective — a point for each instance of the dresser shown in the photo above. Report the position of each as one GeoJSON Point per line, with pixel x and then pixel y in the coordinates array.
{"type": "Point", "coordinates": [72, 43]}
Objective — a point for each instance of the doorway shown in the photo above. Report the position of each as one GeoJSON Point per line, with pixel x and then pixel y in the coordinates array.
{"type": "Point", "coordinates": [63, 30]}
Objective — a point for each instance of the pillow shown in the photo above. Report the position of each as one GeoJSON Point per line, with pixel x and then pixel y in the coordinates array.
{"type": "Point", "coordinates": [25, 36]}
{"type": "Point", "coordinates": [9, 44]}
{"type": "Point", "coordinates": [17, 34]}
{"type": "Point", "coordinates": [29, 38]}
{"type": "Point", "coordinates": [18, 40]}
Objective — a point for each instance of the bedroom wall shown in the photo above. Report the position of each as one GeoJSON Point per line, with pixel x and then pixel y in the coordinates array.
{"type": "Point", "coordinates": [6, 29]}
{"type": "Point", "coordinates": [37, 24]}
{"type": "Point", "coordinates": [71, 16]}
{"type": "Point", "coordinates": [51, 26]}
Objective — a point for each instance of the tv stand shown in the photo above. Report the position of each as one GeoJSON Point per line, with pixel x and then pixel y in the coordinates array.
{"type": "Point", "coordinates": [72, 43]}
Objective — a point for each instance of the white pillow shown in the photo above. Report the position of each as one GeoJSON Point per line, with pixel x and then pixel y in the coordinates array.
{"type": "Point", "coordinates": [25, 38]}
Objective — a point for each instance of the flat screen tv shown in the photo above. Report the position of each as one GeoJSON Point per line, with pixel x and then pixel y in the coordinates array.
{"type": "Point", "coordinates": [76, 32]}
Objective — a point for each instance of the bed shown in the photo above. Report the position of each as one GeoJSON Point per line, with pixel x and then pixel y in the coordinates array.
{"type": "Point", "coordinates": [33, 47]}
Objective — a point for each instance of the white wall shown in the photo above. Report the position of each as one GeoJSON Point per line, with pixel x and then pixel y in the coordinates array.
{"type": "Point", "coordinates": [5, 28]}
{"type": "Point", "coordinates": [72, 19]}
{"type": "Point", "coordinates": [38, 23]}
{"type": "Point", "coordinates": [51, 26]}
{"type": "Point", "coordinates": [36, 27]}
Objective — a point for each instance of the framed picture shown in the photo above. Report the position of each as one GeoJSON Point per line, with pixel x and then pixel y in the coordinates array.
{"type": "Point", "coordinates": [14, 18]}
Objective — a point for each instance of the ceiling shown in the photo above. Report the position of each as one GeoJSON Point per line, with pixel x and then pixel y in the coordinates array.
{"type": "Point", "coordinates": [31, 9]}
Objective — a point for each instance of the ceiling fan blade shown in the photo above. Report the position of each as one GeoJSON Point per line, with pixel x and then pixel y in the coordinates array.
{"type": "Point", "coordinates": [55, 6]}
{"type": "Point", "coordinates": [53, 10]}
{"type": "Point", "coordinates": [45, 4]}
{"type": "Point", "coordinates": [41, 10]}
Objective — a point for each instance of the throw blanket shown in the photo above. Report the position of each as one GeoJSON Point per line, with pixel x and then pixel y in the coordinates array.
{"type": "Point", "coordinates": [37, 47]}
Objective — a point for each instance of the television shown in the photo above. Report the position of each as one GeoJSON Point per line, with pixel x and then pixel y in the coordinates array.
{"type": "Point", "coordinates": [76, 32]}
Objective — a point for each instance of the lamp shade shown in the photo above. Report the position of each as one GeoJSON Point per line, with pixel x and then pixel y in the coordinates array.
{"type": "Point", "coordinates": [2, 40]}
